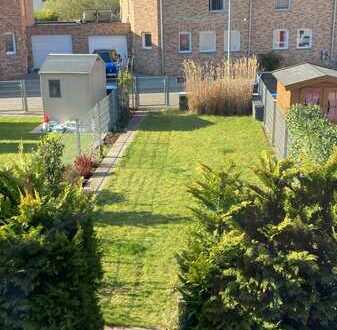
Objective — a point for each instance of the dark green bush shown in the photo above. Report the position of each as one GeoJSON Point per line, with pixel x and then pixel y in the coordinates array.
{"type": "Point", "coordinates": [270, 61]}
{"type": "Point", "coordinates": [49, 256]}
{"type": "Point", "coordinates": [312, 135]}
{"type": "Point", "coordinates": [263, 256]}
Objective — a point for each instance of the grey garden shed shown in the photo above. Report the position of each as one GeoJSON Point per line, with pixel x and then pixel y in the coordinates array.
{"type": "Point", "coordinates": [71, 85]}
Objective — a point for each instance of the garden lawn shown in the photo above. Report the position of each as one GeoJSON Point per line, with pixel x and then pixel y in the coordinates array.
{"type": "Point", "coordinates": [13, 131]}
{"type": "Point", "coordinates": [144, 217]}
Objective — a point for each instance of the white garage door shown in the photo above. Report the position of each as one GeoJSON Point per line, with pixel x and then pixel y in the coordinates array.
{"type": "Point", "coordinates": [42, 46]}
{"type": "Point", "coordinates": [119, 43]}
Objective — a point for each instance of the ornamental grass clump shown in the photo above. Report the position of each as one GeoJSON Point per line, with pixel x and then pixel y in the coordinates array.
{"type": "Point", "coordinates": [220, 88]}
{"type": "Point", "coordinates": [263, 256]}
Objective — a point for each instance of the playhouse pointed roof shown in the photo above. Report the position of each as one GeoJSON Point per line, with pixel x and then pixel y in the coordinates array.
{"type": "Point", "coordinates": [69, 63]}
{"type": "Point", "coordinates": [301, 73]}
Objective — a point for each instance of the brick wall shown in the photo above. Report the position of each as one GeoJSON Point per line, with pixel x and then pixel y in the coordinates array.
{"type": "Point", "coordinates": [13, 66]}
{"type": "Point", "coordinates": [310, 14]}
{"type": "Point", "coordinates": [194, 16]}
{"type": "Point", "coordinates": [144, 16]}
{"type": "Point", "coordinates": [79, 32]}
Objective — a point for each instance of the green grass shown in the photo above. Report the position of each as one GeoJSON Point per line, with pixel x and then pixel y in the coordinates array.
{"type": "Point", "coordinates": [13, 131]}
{"type": "Point", "coordinates": [144, 217]}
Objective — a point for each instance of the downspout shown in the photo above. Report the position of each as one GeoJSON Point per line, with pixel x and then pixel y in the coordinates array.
{"type": "Point", "coordinates": [162, 37]}
{"type": "Point", "coordinates": [250, 27]}
{"type": "Point", "coordinates": [333, 30]}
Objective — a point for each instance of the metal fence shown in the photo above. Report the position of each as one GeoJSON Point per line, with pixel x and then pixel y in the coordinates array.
{"type": "Point", "coordinates": [87, 135]}
{"type": "Point", "coordinates": [156, 91]}
{"type": "Point", "coordinates": [275, 123]}
{"type": "Point", "coordinates": [20, 95]}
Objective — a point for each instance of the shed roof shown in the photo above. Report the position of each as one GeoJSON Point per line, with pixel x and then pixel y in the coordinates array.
{"type": "Point", "coordinates": [303, 72]}
{"type": "Point", "coordinates": [69, 63]}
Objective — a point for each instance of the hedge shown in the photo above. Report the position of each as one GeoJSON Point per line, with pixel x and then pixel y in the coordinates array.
{"type": "Point", "coordinates": [50, 267]}
{"type": "Point", "coordinates": [262, 256]}
{"type": "Point", "coordinates": [312, 134]}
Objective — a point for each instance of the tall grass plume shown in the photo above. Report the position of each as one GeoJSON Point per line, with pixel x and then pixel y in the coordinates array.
{"type": "Point", "coordinates": [220, 88]}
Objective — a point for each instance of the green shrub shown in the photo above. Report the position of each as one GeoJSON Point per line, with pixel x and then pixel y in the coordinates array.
{"type": "Point", "coordinates": [49, 255]}
{"type": "Point", "coordinates": [270, 61]}
{"type": "Point", "coordinates": [46, 15]}
{"type": "Point", "coordinates": [312, 135]}
{"type": "Point", "coordinates": [263, 256]}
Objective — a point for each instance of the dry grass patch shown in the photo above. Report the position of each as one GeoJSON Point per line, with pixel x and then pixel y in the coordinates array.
{"type": "Point", "coordinates": [220, 88]}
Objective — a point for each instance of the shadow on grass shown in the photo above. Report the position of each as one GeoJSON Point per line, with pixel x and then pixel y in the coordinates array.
{"type": "Point", "coordinates": [135, 219]}
{"type": "Point", "coordinates": [18, 131]}
{"type": "Point", "coordinates": [107, 197]}
{"type": "Point", "coordinates": [13, 148]}
{"type": "Point", "coordinates": [176, 121]}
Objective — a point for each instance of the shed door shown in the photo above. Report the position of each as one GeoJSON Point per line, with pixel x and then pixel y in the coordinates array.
{"type": "Point", "coordinates": [118, 43]}
{"type": "Point", "coordinates": [44, 45]}
{"type": "Point", "coordinates": [311, 96]}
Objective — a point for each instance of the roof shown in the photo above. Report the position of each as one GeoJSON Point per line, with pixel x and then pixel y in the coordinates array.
{"type": "Point", "coordinates": [303, 72]}
{"type": "Point", "coordinates": [69, 63]}
{"type": "Point", "coordinates": [269, 81]}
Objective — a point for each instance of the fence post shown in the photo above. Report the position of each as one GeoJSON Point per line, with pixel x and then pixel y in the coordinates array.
{"type": "Point", "coordinates": [167, 91]}
{"type": "Point", "coordinates": [78, 137]}
{"type": "Point", "coordinates": [136, 93]}
{"type": "Point", "coordinates": [274, 123]}
{"type": "Point", "coordinates": [24, 95]}
{"type": "Point", "coordinates": [100, 135]}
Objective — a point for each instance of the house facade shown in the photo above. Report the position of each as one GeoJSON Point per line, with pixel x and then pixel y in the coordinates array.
{"type": "Point", "coordinates": [166, 32]}
{"type": "Point", "coordinates": [15, 17]}
{"type": "Point", "coordinates": [161, 34]}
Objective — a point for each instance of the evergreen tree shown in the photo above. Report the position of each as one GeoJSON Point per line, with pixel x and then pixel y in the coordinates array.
{"type": "Point", "coordinates": [263, 256]}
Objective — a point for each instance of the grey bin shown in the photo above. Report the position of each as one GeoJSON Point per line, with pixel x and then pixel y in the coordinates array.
{"type": "Point", "coordinates": [183, 101]}
{"type": "Point", "coordinates": [258, 108]}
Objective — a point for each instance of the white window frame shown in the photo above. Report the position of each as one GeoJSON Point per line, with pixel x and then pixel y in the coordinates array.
{"type": "Point", "coordinates": [144, 40]}
{"type": "Point", "coordinates": [298, 39]}
{"type": "Point", "coordinates": [190, 41]}
{"type": "Point", "coordinates": [207, 33]}
{"type": "Point", "coordinates": [277, 47]}
{"type": "Point", "coordinates": [12, 34]}
{"type": "Point", "coordinates": [216, 10]}
{"type": "Point", "coordinates": [283, 9]}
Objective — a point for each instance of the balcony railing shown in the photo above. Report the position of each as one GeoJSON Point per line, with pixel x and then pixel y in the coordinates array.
{"type": "Point", "coordinates": [101, 16]}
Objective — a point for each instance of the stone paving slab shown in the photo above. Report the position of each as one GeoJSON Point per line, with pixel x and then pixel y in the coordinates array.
{"type": "Point", "coordinates": [104, 171]}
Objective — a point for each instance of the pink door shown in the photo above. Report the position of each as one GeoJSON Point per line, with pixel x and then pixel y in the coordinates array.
{"type": "Point", "coordinates": [332, 105]}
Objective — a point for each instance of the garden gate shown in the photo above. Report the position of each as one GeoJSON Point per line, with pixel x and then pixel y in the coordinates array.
{"type": "Point", "coordinates": [151, 91]}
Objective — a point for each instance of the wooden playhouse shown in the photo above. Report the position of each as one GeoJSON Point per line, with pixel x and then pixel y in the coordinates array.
{"type": "Point", "coordinates": [307, 84]}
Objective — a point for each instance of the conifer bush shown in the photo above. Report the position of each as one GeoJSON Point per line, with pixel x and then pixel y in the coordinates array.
{"type": "Point", "coordinates": [263, 256]}
{"type": "Point", "coordinates": [49, 255]}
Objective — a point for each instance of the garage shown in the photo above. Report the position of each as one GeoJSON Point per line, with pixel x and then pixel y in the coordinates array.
{"type": "Point", "coordinates": [119, 43]}
{"type": "Point", "coordinates": [44, 45]}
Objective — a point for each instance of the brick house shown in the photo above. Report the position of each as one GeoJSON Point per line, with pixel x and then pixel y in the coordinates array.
{"type": "Point", "coordinates": [161, 34]}
{"type": "Point", "coordinates": [15, 17]}
{"type": "Point", "coordinates": [165, 32]}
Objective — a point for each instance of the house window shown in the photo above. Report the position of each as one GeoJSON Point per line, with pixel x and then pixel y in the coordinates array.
{"type": "Point", "coordinates": [207, 41]}
{"type": "Point", "coordinates": [304, 38]}
{"type": "Point", "coordinates": [235, 41]}
{"type": "Point", "coordinates": [147, 40]}
{"type": "Point", "coordinates": [10, 44]}
{"type": "Point", "coordinates": [282, 4]}
{"type": "Point", "coordinates": [280, 39]}
{"type": "Point", "coordinates": [216, 5]}
{"type": "Point", "coordinates": [54, 88]}
{"type": "Point", "coordinates": [185, 42]}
